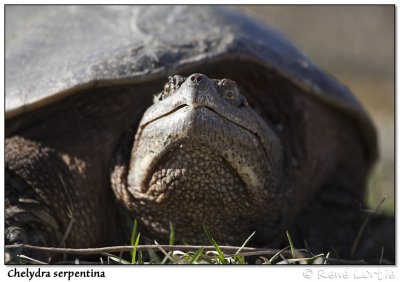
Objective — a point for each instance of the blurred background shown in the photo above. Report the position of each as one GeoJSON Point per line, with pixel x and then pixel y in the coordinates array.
{"type": "Point", "coordinates": [355, 44]}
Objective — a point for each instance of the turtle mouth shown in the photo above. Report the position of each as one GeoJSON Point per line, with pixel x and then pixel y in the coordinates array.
{"type": "Point", "coordinates": [215, 111]}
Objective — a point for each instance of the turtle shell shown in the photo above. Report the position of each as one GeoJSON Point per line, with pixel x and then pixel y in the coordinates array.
{"type": "Point", "coordinates": [55, 51]}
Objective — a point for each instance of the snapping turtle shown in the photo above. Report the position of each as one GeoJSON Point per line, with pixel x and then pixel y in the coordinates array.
{"type": "Point", "coordinates": [247, 134]}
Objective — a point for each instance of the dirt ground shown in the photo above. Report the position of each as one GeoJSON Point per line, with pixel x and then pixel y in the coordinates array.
{"type": "Point", "coordinates": [355, 44]}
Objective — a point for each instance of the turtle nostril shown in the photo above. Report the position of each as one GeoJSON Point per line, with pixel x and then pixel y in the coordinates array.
{"type": "Point", "coordinates": [196, 78]}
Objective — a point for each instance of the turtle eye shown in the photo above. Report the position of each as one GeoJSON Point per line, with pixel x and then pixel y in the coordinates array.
{"type": "Point", "coordinates": [229, 94]}
{"type": "Point", "coordinates": [173, 84]}
{"type": "Point", "coordinates": [230, 91]}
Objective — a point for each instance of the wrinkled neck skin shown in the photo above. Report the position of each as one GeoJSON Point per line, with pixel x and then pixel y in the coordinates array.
{"type": "Point", "coordinates": [202, 156]}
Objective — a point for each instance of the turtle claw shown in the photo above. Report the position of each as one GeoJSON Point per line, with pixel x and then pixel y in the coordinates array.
{"type": "Point", "coordinates": [14, 236]}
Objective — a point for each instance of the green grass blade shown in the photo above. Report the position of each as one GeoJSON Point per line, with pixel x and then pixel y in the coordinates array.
{"type": "Point", "coordinates": [220, 253]}
{"type": "Point", "coordinates": [196, 255]}
{"type": "Point", "coordinates": [171, 242]}
{"type": "Point", "coordinates": [140, 258]}
{"type": "Point", "coordinates": [221, 256]}
{"type": "Point", "coordinates": [134, 230]}
{"type": "Point", "coordinates": [239, 259]}
{"type": "Point", "coordinates": [291, 244]}
{"type": "Point", "coordinates": [171, 234]}
{"type": "Point", "coordinates": [207, 233]}
{"type": "Point", "coordinates": [135, 249]}
{"type": "Point", "coordinates": [133, 235]}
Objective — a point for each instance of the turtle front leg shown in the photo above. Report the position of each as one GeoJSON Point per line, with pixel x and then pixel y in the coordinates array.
{"type": "Point", "coordinates": [31, 175]}
{"type": "Point", "coordinates": [52, 200]}
{"type": "Point", "coordinates": [28, 220]}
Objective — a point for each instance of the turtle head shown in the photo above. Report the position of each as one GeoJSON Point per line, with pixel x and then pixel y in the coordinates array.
{"type": "Point", "coordinates": [202, 156]}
